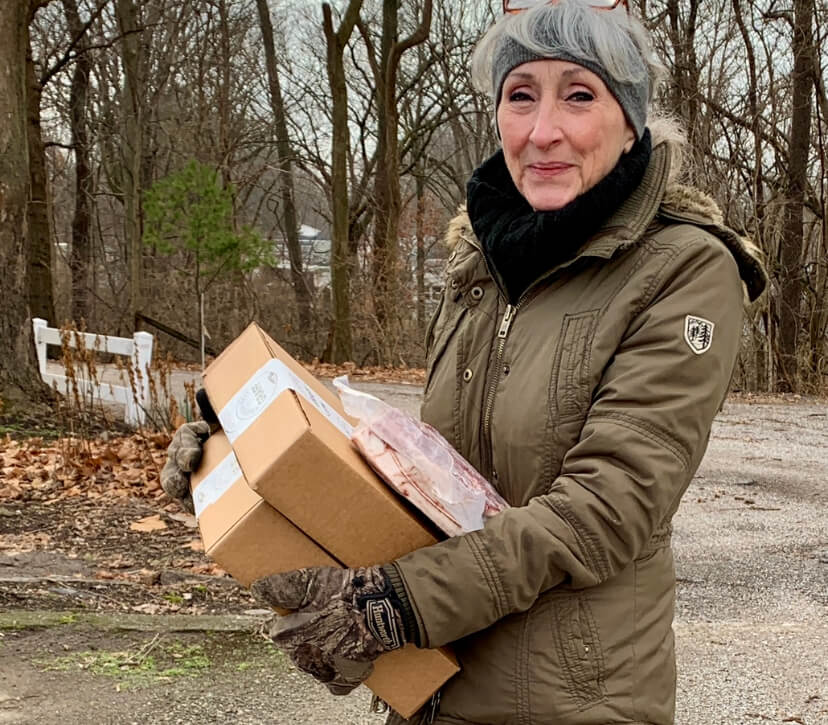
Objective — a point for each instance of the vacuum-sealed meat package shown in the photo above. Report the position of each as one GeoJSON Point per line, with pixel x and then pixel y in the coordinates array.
{"type": "Point", "coordinates": [418, 463]}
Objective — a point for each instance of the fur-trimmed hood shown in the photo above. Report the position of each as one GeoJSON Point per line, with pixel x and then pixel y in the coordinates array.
{"type": "Point", "coordinates": [679, 203]}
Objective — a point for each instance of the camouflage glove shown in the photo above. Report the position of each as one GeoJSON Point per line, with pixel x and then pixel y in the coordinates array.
{"type": "Point", "coordinates": [183, 457]}
{"type": "Point", "coordinates": [342, 620]}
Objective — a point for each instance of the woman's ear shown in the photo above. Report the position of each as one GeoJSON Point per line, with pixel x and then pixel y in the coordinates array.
{"type": "Point", "coordinates": [629, 139]}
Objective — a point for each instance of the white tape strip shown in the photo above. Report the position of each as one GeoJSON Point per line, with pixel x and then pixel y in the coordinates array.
{"type": "Point", "coordinates": [217, 483]}
{"type": "Point", "coordinates": [264, 386]}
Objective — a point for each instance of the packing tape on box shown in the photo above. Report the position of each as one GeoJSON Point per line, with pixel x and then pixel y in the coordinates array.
{"type": "Point", "coordinates": [216, 483]}
{"type": "Point", "coordinates": [264, 386]}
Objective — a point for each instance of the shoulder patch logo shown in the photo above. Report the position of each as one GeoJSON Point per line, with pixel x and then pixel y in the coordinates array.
{"type": "Point", "coordinates": [698, 333]}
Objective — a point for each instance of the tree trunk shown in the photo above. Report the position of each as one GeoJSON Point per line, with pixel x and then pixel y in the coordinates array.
{"type": "Point", "coordinates": [284, 153]}
{"type": "Point", "coordinates": [791, 273]}
{"type": "Point", "coordinates": [341, 349]}
{"type": "Point", "coordinates": [420, 233]}
{"type": "Point", "coordinates": [132, 149]}
{"type": "Point", "coordinates": [386, 181]}
{"type": "Point", "coordinates": [80, 259]}
{"type": "Point", "coordinates": [18, 369]}
{"type": "Point", "coordinates": [761, 342]}
{"type": "Point", "coordinates": [685, 86]}
{"type": "Point", "coordinates": [387, 197]}
{"type": "Point", "coordinates": [39, 238]}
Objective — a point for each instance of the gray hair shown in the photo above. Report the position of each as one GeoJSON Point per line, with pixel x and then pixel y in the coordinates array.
{"type": "Point", "coordinates": [611, 43]}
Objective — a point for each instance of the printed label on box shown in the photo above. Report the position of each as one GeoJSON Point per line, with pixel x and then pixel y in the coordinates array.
{"type": "Point", "coordinates": [216, 483]}
{"type": "Point", "coordinates": [264, 386]}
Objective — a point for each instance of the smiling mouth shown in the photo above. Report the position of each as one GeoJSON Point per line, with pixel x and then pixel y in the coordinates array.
{"type": "Point", "coordinates": [550, 169]}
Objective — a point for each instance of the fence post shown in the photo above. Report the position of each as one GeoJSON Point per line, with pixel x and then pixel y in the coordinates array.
{"type": "Point", "coordinates": [141, 357]}
{"type": "Point", "coordinates": [37, 325]}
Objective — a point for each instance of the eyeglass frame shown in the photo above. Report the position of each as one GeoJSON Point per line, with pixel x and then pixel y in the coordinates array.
{"type": "Point", "coordinates": [512, 11]}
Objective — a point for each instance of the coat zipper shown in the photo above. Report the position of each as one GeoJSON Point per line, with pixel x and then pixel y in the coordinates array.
{"type": "Point", "coordinates": [502, 334]}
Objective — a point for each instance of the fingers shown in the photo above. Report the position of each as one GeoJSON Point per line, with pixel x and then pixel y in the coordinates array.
{"type": "Point", "coordinates": [174, 481]}
{"type": "Point", "coordinates": [339, 675]}
{"type": "Point", "coordinates": [287, 590]}
{"type": "Point", "coordinates": [311, 659]}
{"type": "Point", "coordinates": [188, 445]}
{"type": "Point", "coordinates": [351, 671]}
{"type": "Point", "coordinates": [308, 589]}
{"type": "Point", "coordinates": [201, 428]}
{"type": "Point", "coordinates": [183, 457]}
{"type": "Point", "coordinates": [341, 687]}
{"type": "Point", "coordinates": [187, 503]}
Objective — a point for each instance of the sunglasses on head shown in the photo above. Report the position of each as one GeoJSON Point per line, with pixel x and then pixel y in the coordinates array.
{"type": "Point", "coordinates": [518, 6]}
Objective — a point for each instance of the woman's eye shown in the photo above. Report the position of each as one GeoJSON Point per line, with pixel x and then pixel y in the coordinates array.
{"type": "Point", "coordinates": [580, 96]}
{"type": "Point", "coordinates": [518, 96]}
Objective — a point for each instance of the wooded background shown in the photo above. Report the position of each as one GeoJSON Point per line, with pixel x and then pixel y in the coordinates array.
{"type": "Point", "coordinates": [158, 158]}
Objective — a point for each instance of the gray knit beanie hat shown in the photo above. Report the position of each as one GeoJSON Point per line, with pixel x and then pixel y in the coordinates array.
{"type": "Point", "coordinates": [547, 33]}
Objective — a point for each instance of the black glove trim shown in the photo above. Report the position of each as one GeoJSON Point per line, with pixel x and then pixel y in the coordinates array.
{"type": "Point", "coordinates": [206, 407]}
{"type": "Point", "coordinates": [400, 599]}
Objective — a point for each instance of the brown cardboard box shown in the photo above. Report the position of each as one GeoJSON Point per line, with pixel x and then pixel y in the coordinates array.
{"type": "Point", "coordinates": [301, 462]}
{"type": "Point", "coordinates": [241, 532]}
{"type": "Point", "coordinates": [294, 452]}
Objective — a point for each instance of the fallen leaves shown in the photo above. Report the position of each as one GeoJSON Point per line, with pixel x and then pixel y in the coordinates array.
{"type": "Point", "coordinates": [68, 467]}
{"type": "Point", "coordinates": [149, 523]}
{"type": "Point", "coordinates": [184, 518]}
{"type": "Point", "coordinates": [22, 543]}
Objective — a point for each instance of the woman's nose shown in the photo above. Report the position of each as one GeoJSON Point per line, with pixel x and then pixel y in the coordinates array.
{"type": "Point", "coordinates": [546, 129]}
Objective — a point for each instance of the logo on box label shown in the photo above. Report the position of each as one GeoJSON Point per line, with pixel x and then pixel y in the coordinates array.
{"type": "Point", "coordinates": [264, 386]}
{"type": "Point", "coordinates": [216, 483]}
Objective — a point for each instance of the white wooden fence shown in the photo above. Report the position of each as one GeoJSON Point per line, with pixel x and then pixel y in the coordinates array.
{"type": "Point", "coordinates": [138, 348]}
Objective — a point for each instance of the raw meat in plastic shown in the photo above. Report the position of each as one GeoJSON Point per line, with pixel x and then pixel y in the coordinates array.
{"type": "Point", "coordinates": [418, 463]}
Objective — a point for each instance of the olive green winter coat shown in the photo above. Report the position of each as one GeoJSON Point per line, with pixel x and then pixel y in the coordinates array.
{"type": "Point", "coordinates": [588, 405]}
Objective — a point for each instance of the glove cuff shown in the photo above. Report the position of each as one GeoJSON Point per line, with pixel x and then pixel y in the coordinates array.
{"type": "Point", "coordinates": [402, 603]}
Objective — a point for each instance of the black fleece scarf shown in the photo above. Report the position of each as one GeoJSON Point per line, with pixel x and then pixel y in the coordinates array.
{"type": "Point", "coordinates": [521, 244]}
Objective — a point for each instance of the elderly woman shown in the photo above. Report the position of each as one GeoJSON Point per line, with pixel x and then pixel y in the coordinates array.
{"type": "Point", "coordinates": [584, 342]}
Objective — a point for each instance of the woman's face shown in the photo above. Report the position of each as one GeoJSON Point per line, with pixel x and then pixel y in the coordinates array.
{"type": "Point", "coordinates": [562, 131]}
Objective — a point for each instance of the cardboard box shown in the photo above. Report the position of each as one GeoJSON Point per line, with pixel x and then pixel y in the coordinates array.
{"type": "Point", "coordinates": [290, 435]}
{"type": "Point", "coordinates": [246, 536]}
{"type": "Point", "coordinates": [311, 499]}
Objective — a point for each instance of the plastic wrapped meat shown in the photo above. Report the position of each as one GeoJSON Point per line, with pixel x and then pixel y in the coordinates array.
{"type": "Point", "coordinates": [418, 463]}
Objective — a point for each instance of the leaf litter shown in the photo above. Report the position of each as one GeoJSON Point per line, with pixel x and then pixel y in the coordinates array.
{"type": "Point", "coordinates": [84, 524]}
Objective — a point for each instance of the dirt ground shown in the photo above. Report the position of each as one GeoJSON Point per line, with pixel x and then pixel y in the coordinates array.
{"type": "Point", "coordinates": [103, 622]}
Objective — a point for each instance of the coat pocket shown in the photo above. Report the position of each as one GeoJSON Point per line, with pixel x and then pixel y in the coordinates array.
{"type": "Point", "coordinates": [445, 322]}
{"type": "Point", "coordinates": [570, 391]}
{"type": "Point", "coordinates": [578, 648]}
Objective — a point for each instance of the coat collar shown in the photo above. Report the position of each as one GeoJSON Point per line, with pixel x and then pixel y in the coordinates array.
{"type": "Point", "coordinates": [628, 224]}
{"type": "Point", "coordinates": [657, 196]}
{"type": "Point", "coordinates": [625, 226]}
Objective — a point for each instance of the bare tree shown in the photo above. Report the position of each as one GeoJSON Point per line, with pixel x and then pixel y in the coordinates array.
{"type": "Point", "coordinates": [340, 348]}
{"type": "Point", "coordinates": [133, 109]}
{"type": "Point", "coordinates": [18, 369]}
{"type": "Point", "coordinates": [791, 273]}
{"type": "Point", "coordinates": [387, 199]}
{"type": "Point", "coordinates": [285, 181]}
{"type": "Point", "coordinates": [39, 237]}
{"type": "Point", "coordinates": [80, 259]}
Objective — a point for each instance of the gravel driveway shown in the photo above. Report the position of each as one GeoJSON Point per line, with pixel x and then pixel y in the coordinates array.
{"type": "Point", "coordinates": [751, 544]}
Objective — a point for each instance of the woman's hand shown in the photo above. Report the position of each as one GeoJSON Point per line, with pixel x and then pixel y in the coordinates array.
{"type": "Point", "coordinates": [341, 621]}
{"type": "Point", "coordinates": [183, 457]}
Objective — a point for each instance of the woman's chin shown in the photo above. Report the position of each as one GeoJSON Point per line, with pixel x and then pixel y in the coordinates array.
{"type": "Point", "coordinates": [549, 202]}
{"type": "Point", "coordinates": [548, 197]}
